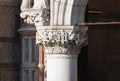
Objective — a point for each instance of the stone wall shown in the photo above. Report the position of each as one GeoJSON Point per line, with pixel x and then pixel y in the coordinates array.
{"type": "Point", "coordinates": [9, 43]}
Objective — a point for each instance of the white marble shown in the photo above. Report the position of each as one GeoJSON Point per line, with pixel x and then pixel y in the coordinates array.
{"type": "Point", "coordinates": [37, 4]}
{"type": "Point", "coordinates": [61, 67]}
{"type": "Point", "coordinates": [67, 12]}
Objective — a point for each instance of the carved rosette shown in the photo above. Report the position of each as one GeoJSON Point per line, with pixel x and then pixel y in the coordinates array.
{"type": "Point", "coordinates": [36, 17]}
{"type": "Point", "coordinates": [61, 40]}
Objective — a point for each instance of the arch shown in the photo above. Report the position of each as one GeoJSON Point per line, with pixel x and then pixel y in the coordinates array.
{"type": "Point", "coordinates": [67, 12]}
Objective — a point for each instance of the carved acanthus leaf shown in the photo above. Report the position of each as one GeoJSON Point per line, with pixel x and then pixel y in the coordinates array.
{"type": "Point", "coordinates": [66, 49]}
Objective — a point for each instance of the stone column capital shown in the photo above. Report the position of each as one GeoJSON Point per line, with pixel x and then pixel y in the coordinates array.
{"type": "Point", "coordinates": [35, 17]}
{"type": "Point", "coordinates": [61, 39]}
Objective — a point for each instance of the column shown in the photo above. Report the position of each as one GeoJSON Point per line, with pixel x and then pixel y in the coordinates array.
{"type": "Point", "coordinates": [62, 66]}
{"type": "Point", "coordinates": [62, 45]}
{"type": "Point", "coordinates": [57, 32]}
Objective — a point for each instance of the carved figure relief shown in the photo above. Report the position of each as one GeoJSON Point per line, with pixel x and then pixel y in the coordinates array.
{"type": "Point", "coordinates": [25, 5]}
{"type": "Point", "coordinates": [34, 4]}
{"type": "Point", "coordinates": [40, 4]}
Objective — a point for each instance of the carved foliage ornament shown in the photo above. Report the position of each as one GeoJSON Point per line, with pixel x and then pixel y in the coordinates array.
{"type": "Point", "coordinates": [61, 40]}
{"type": "Point", "coordinates": [36, 17]}
{"type": "Point", "coordinates": [63, 50]}
{"type": "Point", "coordinates": [62, 37]}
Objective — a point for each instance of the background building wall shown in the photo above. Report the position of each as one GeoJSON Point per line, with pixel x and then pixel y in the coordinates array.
{"type": "Point", "coordinates": [104, 53]}
{"type": "Point", "coordinates": [9, 41]}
